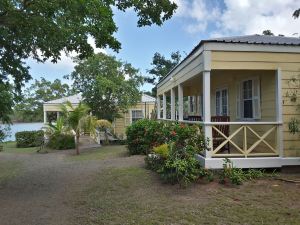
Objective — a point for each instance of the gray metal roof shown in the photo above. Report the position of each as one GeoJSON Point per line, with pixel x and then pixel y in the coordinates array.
{"type": "Point", "coordinates": [257, 39]}
{"type": "Point", "coordinates": [246, 39]}
{"type": "Point", "coordinates": [75, 99]}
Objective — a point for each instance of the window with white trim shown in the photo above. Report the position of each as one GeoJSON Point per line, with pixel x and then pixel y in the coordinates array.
{"type": "Point", "coordinates": [222, 102]}
{"type": "Point", "coordinates": [136, 115]}
{"type": "Point", "coordinates": [248, 99]}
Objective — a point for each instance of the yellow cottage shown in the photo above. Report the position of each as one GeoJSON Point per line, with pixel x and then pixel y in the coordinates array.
{"type": "Point", "coordinates": [142, 109]}
{"type": "Point", "coordinates": [239, 89]}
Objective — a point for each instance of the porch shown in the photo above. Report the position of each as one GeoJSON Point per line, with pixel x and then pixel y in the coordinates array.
{"type": "Point", "coordinates": [239, 110]}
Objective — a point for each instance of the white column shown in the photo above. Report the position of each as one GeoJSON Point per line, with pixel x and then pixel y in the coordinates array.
{"type": "Point", "coordinates": [172, 104]}
{"type": "Point", "coordinates": [57, 115]}
{"type": "Point", "coordinates": [279, 138]}
{"type": "Point", "coordinates": [158, 106]}
{"type": "Point", "coordinates": [45, 116]}
{"type": "Point", "coordinates": [206, 113]}
{"type": "Point", "coordinates": [164, 106]}
{"type": "Point", "coordinates": [180, 102]}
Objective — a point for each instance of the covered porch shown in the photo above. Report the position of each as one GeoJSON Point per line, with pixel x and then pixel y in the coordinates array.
{"type": "Point", "coordinates": [239, 111]}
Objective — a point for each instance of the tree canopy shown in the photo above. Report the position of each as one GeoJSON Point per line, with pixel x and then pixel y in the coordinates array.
{"type": "Point", "coordinates": [267, 32]}
{"type": "Point", "coordinates": [30, 107]}
{"type": "Point", "coordinates": [161, 66]}
{"type": "Point", "coordinates": [43, 29]}
{"type": "Point", "coordinates": [109, 86]}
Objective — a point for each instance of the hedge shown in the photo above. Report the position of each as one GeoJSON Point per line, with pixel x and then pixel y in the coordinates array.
{"type": "Point", "coordinates": [61, 141]}
{"type": "Point", "coordinates": [27, 139]}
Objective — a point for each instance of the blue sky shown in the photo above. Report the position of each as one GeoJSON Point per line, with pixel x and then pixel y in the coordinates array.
{"type": "Point", "coordinates": [193, 21]}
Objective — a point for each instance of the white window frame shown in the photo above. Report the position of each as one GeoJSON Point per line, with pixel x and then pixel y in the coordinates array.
{"type": "Point", "coordinates": [241, 102]}
{"type": "Point", "coordinates": [143, 112]}
{"type": "Point", "coordinates": [221, 101]}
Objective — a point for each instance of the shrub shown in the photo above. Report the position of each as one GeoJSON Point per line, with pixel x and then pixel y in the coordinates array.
{"type": "Point", "coordinates": [145, 134]}
{"type": "Point", "coordinates": [154, 162]}
{"type": "Point", "coordinates": [162, 150]}
{"type": "Point", "coordinates": [26, 139]}
{"type": "Point", "coordinates": [61, 141]}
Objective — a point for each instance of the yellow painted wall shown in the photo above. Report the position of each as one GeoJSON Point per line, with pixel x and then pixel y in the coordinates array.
{"type": "Point", "coordinates": [290, 66]}
{"type": "Point", "coordinates": [120, 124]}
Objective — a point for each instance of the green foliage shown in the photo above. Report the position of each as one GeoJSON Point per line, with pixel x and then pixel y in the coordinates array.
{"type": "Point", "coordinates": [44, 29]}
{"type": "Point", "coordinates": [154, 162]}
{"type": "Point", "coordinates": [78, 120]}
{"type": "Point", "coordinates": [161, 67]}
{"type": "Point", "coordinates": [236, 175]}
{"type": "Point", "coordinates": [267, 32]}
{"type": "Point", "coordinates": [145, 134]}
{"type": "Point", "coordinates": [109, 86]}
{"type": "Point", "coordinates": [61, 141]}
{"type": "Point", "coordinates": [30, 106]}
{"type": "Point", "coordinates": [6, 102]}
{"type": "Point", "coordinates": [162, 150]}
{"type": "Point", "coordinates": [296, 13]}
{"type": "Point", "coordinates": [103, 125]}
{"type": "Point", "coordinates": [26, 139]}
{"type": "Point", "coordinates": [58, 128]}
{"type": "Point", "coordinates": [4, 133]}
{"type": "Point", "coordinates": [294, 126]}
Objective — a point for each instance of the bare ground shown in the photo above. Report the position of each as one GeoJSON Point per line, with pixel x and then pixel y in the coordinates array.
{"type": "Point", "coordinates": [105, 186]}
{"type": "Point", "coordinates": [43, 191]}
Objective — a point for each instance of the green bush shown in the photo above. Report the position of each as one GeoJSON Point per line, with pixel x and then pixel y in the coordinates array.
{"type": "Point", "coordinates": [61, 141]}
{"type": "Point", "coordinates": [145, 134]}
{"type": "Point", "coordinates": [162, 150]}
{"type": "Point", "coordinates": [26, 139]}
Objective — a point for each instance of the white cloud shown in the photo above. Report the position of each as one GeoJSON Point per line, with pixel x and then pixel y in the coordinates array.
{"type": "Point", "coordinates": [236, 17]}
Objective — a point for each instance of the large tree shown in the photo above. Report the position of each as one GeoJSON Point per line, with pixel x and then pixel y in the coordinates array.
{"type": "Point", "coordinates": [43, 29]}
{"type": "Point", "coordinates": [161, 66]}
{"type": "Point", "coordinates": [30, 107]}
{"type": "Point", "coordinates": [109, 86]}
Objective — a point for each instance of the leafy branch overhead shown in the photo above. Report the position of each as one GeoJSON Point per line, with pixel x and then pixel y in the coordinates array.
{"type": "Point", "coordinates": [43, 29]}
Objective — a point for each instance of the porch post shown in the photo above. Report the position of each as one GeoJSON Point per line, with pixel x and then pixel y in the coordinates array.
{"type": "Point", "coordinates": [180, 102]}
{"type": "Point", "coordinates": [279, 137]}
{"type": "Point", "coordinates": [164, 106]}
{"type": "Point", "coordinates": [172, 104]}
{"type": "Point", "coordinates": [45, 116]}
{"type": "Point", "coordinates": [158, 106]}
{"type": "Point", "coordinates": [57, 115]}
{"type": "Point", "coordinates": [206, 113]}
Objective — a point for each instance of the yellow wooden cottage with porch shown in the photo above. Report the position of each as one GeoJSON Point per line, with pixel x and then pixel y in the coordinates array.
{"type": "Point", "coordinates": [236, 88]}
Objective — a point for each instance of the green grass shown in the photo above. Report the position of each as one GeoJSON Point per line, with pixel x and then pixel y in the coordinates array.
{"type": "Point", "coordinates": [10, 147]}
{"type": "Point", "coordinates": [9, 170]}
{"type": "Point", "coordinates": [136, 196]}
{"type": "Point", "coordinates": [101, 153]}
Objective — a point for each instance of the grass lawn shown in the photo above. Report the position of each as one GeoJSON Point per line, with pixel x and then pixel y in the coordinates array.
{"type": "Point", "coordinates": [134, 195]}
{"type": "Point", "coordinates": [9, 170]}
{"type": "Point", "coordinates": [104, 152]}
{"type": "Point", "coordinates": [11, 148]}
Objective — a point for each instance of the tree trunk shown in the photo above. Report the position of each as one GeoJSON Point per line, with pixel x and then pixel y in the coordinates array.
{"type": "Point", "coordinates": [77, 143]}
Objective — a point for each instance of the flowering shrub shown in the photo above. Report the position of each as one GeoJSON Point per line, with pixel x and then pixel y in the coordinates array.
{"type": "Point", "coordinates": [145, 134]}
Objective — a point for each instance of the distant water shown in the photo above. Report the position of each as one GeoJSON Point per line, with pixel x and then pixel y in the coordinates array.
{"type": "Point", "coordinates": [17, 127]}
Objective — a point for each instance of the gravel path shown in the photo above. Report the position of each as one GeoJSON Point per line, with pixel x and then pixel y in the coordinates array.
{"type": "Point", "coordinates": [42, 194]}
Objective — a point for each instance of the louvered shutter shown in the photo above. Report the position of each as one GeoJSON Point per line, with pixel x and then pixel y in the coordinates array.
{"type": "Point", "coordinates": [238, 100]}
{"type": "Point", "coordinates": [256, 99]}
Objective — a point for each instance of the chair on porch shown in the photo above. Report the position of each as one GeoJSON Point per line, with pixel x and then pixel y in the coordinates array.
{"type": "Point", "coordinates": [195, 118]}
{"type": "Point", "coordinates": [217, 137]}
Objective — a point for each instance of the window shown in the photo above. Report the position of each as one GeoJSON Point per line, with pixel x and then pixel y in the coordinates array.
{"type": "Point", "coordinates": [222, 102]}
{"type": "Point", "coordinates": [248, 99]}
{"type": "Point", "coordinates": [136, 115]}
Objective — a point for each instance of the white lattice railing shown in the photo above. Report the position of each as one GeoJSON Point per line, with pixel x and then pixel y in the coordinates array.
{"type": "Point", "coordinates": [242, 146]}
{"type": "Point", "coordinates": [239, 137]}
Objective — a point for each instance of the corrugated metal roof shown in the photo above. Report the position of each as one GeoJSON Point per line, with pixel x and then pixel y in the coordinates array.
{"type": "Point", "coordinates": [246, 39]}
{"type": "Point", "coordinates": [257, 39]}
{"type": "Point", "coordinates": [75, 99]}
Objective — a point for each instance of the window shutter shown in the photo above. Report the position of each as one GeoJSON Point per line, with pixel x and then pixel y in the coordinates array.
{"type": "Point", "coordinates": [238, 100]}
{"type": "Point", "coordinates": [256, 99]}
{"type": "Point", "coordinates": [200, 108]}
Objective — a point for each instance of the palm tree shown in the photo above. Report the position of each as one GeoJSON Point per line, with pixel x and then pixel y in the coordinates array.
{"type": "Point", "coordinates": [78, 119]}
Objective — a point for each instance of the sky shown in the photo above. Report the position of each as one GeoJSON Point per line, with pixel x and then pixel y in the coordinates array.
{"type": "Point", "coordinates": [193, 21]}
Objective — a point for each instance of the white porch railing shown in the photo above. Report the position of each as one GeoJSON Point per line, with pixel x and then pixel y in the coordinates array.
{"type": "Point", "coordinates": [246, 139]}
